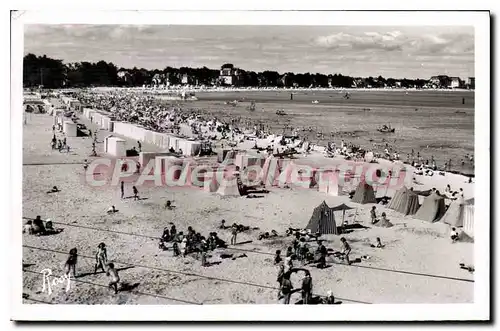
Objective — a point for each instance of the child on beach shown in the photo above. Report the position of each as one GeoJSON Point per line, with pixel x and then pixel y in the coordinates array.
{"type": "Point", "coordinates": [28, 227]}
{"type": "Point", "coordinates": [101, 257]}
{"type": "Point", "coordinates": [175, 249]}
{"type": "Point", "coordinates": [286, 289]}
{"type": "Point", "coordinates": [346, 250]}
{"type": "Point", "coordinates": [277, 257]}
{"type": "Point", "coordinates": [373, 215]}
{"type": "Point", "coordinates": [113, 274]}
{"type": "Point", "coordinates": [234, 233]}
{"type": "Point", "coordinates": [70, 265]}
{"type": "Point", "coordinates": [454, 235]}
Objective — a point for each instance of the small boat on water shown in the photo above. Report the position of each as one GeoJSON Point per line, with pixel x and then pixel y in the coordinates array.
{"type": "Point", "coordinates": [386, 129]}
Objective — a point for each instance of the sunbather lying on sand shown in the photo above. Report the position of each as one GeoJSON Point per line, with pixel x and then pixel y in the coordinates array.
{"type": "Point", "coordinates": [242, 228]}
{"type": "Point", "coordinates": [112, 210]}
{"type": "Point", "coordinates": [38, 227]}
{"type": "Point", "coordinates": [49, 228]}
{"type": "Point", "coordinates": [54, 190]}
{"type": "Point", "coordinates": [267, 235]}
{"type": "Point", "coordinates": [469, 268]}
{"type": "Point", "coordinates": [231, 256]}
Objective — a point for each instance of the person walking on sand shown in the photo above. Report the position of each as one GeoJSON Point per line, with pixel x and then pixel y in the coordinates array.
{"type": "Point", "coordinates": [101, 258]}
{"type": "Point", "coordinates": [346, 250]}
{"type": "Point", "coordinates": [373, 215]}
{"type": "Point", "coordinates": [323, 252]}
{"type": "Point", "coordinates": [122, 189]}
{"type": "Point", "coordinates": [286, 289]}
{"type": "Point", "coordinates": [281, 273]}
{"type": "Point", "coordinates": [139, 146]}
{"type": "Point", "coordinates": [234, 233]}
{"type": "Point", "coordinates": [136, 193]}
{"type": "Point", "coordinates": [306, 288]}
{"type": "Point", "coordinates": [70, 266]}
{"type": "Point", "coordinates": [113, 274]}
{"type": "Point", "coordinates": [277, 257]}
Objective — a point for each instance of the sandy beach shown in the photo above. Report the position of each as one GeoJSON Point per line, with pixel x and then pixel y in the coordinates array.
{"type": "Point", "coordinates": [419, 264]}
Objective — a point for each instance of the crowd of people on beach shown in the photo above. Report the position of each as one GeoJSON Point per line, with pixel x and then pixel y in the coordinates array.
{"type": "Point", "coordinates": [154, 114]}
{"type": "Point", "coordinates": [146, 110]}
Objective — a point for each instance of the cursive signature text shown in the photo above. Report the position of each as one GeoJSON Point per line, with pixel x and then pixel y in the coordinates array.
{"type": "Point", "coordinates": [50, 281]}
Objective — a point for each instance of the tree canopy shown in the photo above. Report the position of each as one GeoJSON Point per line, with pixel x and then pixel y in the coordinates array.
{"type": "Point", "coordinates": [53, 73]}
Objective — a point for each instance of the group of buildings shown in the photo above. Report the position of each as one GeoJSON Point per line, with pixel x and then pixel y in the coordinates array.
{"type": "Point", "coordinates": [443, 81]}
{"type": "Point", "coordinates": [229, 75]}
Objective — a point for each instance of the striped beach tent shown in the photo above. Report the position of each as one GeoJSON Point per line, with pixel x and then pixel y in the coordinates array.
{"type": "Point", "coordinates": [404, 201]}
{"type": "Point", "coordinates": [469, 218]}
{"type": "Point", "coordinates": [323, 220]}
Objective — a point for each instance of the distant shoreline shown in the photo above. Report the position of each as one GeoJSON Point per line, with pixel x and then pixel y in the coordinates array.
{"type": "Point", "coordinates": [230, 89]}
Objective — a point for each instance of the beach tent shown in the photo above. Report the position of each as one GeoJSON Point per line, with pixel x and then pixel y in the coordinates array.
{"type": "Point", "coordinates": [423, 193]}
{"type": "Point", "coordinates": [265, 172]}
{"type": "Point", "coordinates": [211, 184]}
{"type": "Point", "coordinates": [468, 219]}
{"type": "Point", "coordinates": [221, 155]}
{"type": "Point", "coordinates": [228, 187]}
{"type": "Point", "coordinates": [432, 209]}
{"type": "Point", "coordinates": [328, 182]}
{"type": "Point", "coordinates": [323, 220]}
{"type": "Point", "coordinates": [397, 198]}
{"type": "Point", "coordinates": [456, 215]}
{"type": "Point", "coordinates": [404, 201]}
{"type": "Point", "coordinates": [230, 157]}
{"type": "Point", "coordinates": [364, 194]}
{"type": "Point", "coordinates": [288, 169]}
{"type": "Point", "coordinates": [343, 207]}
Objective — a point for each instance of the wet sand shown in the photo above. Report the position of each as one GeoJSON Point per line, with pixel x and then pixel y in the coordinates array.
{"type": "Point", "coordinates": [441, 126]}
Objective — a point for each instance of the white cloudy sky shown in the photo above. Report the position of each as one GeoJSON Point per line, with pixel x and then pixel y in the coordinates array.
{"type": "Point", "coordinates": [393, 51]}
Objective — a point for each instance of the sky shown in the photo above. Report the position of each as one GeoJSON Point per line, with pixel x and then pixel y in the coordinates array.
{"type": "Point", "coordinates": [392, 51]}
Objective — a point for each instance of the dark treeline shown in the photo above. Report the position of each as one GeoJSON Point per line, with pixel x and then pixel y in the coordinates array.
{"type": "Point", "coordinates": [52, 73]}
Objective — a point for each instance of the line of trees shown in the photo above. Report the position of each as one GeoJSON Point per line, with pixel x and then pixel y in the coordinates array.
{"type": "Point", "coordinates": [53, 73]}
